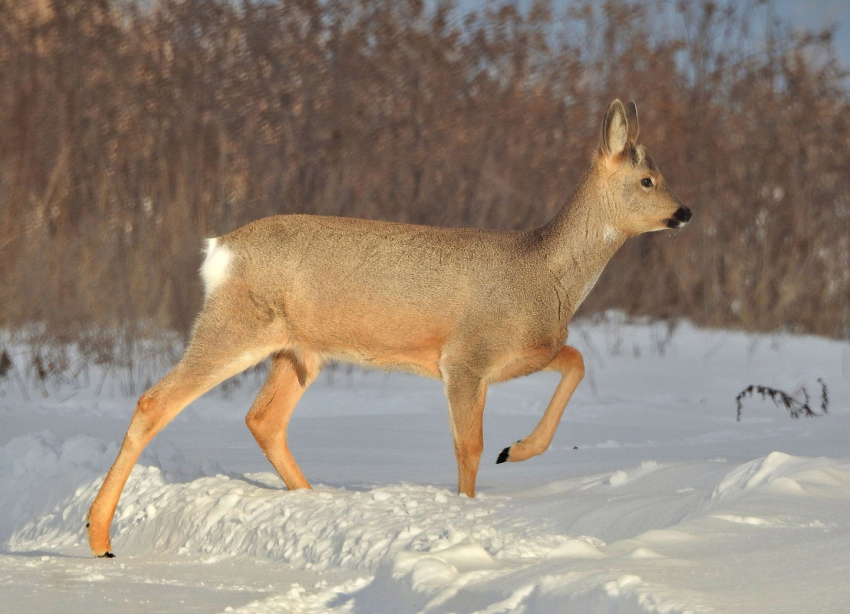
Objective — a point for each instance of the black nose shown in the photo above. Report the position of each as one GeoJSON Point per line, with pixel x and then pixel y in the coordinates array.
{"type": "Point", "coordinates": [683, 215]}
{"type": "Point", "coordinates": [680, 218]}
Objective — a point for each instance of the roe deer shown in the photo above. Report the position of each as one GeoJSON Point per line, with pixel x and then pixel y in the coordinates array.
{"type": "Point", "coordinates": [470, 307]}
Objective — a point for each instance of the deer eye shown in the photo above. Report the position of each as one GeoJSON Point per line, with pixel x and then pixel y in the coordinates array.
{"type": "Point", "coordinates": [646, 182]}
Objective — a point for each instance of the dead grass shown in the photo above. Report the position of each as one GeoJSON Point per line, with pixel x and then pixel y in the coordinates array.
{"type": "Point", "coordinates": [130, 131]}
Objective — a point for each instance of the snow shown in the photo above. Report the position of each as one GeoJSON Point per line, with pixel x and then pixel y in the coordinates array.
{"type": "Point", "coordinates": [652, 498]}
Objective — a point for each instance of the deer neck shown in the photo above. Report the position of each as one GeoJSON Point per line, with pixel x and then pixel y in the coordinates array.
{"type": "Point", "coordinates": [580, 240]}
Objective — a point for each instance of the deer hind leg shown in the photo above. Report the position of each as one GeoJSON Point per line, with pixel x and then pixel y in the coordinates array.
{"type": "Point", "coordinates": [289, 377]}
{"type": "Point", "coordinates": [466, 395]}
{"type": "Point", "coordinates": [570, 364]}
{"type": "Point", "coordinates": [196, 373]}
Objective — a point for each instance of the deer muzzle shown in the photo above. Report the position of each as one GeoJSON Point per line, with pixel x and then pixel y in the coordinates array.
{"type": "Point", "coordinates": [680, 218]}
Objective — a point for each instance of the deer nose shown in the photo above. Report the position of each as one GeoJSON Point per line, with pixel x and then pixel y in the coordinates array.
{"type": "Point", "coordinates": [680, 218]}
{"type": "Point", "coordinates": [683, 215]}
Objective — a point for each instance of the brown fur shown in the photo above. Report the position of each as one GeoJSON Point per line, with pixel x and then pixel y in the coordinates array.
{"type": "Point", "coordinates": [470, 307]}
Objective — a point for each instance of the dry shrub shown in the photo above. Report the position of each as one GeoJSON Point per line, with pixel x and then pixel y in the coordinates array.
{"type": "Point", "coordinates": [129, 131]}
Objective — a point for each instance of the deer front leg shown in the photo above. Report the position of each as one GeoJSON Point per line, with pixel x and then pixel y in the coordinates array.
{"type": "Point", "coordinates": [466, 394]}
{"type": "Point", "coordinates": [570, 364]}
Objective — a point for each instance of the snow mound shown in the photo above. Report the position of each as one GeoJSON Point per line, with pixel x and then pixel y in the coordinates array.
{"type": "Point", "coordinates": [320, 529]}
{"type": "Point", "coordinates": [37, 470]}
{"type": "Point", "coordinates": [778, 473]}
{"type": "Point", "coordinates": [581, 548]}
{"type": "Point", "coordinates": [618, 478]}
{"type": "Point", "coordinates": [419, 548]}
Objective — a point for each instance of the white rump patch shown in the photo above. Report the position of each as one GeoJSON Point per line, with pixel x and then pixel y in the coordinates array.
{"type": "Point", "coordinates": [216, 266]}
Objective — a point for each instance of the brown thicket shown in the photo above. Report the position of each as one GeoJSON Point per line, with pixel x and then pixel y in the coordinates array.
{"type": "Point", "coordinates": [130, 130]}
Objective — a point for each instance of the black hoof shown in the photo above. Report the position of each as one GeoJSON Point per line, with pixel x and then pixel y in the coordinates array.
{"type": "Point", "coordinates": [88, 524]}
{"type": "Point", "coordinates": [106, 555]}
{"type": "Point", "coordinates": [503, 455]}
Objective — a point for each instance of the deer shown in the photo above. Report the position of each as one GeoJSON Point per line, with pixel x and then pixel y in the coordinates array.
{"type": "Point", "coordinates": [470, 307]}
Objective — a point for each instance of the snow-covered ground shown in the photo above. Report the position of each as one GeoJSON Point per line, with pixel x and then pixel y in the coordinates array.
{"type": "Point", "coordinates": [652, 497]}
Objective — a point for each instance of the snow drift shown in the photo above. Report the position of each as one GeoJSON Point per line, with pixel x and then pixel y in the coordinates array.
{"type": "Point", "coordinates": [667, 505]}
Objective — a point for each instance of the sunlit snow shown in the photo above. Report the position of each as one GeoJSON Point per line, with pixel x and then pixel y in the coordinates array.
{"type": "Point", "coordinates": [652, 497]}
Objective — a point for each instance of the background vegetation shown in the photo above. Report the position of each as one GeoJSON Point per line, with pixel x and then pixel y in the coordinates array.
{"type": "Point", "coordinates": [130, 131]}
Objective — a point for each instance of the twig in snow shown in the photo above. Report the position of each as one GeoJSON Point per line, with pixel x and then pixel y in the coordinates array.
{"type": "Point", "coordinates": [781, 398]}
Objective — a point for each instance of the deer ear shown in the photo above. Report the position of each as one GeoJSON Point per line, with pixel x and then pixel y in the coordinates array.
{"type": "Point", "coordinates": [615, 130]}
{"type": "Point", "coordinates": [632, 119]}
